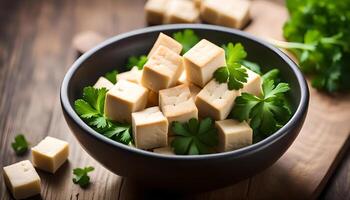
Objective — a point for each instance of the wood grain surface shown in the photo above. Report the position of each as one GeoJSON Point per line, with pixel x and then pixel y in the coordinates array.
{"type": "Point", "coordinates": [36, 51]}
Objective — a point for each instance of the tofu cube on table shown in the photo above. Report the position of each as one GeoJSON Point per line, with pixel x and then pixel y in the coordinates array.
{"type": "Point", "coordinates": [215, 100]}
{"type": "Point", "coordinates": [202, 60]}
{"type": "Point", "coordinates": [177, 104]}
{"type": "Point", "coordinates": [233, 134]}
{"type": "Point", "coordinates": [50, 154]}
{"type": "Point", "coordinates": [102, 82]}
{"type": "Point", "coordinates": [134, 75]}
{"type": "Point", "coordinates": [162, 70]}
{"type": "Point", "coordinates": [166, 41]}
{"type": "Point", "coordinates": [123, 99]}
{"type": "Point", "coordinates": [181, 11]}
{"type": "Point", "coordinates": [253, 84]}
{"type": "Point", "coordinates": [164, 150]}
{"type": "Point", "coordinates": [22, 179]}
{"type": "Point", "coordinates": [150, 128]}
{"type": "Point", "coordinates": [155, 11]}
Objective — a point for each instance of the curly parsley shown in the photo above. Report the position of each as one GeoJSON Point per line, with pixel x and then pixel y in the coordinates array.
{"type": "Point", "coordinates": [20, 145]}
{"type": "Point", "coordinates": [81, 176]}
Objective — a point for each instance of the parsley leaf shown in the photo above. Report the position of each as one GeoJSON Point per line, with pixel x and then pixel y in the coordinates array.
{"type": "Point", "coordinates": [91, 110]}
{"type": "Point", "coordinates": [135, 61]}
{"type": "Point", "coordinates": [81, 176]}
{"type": "Point", "coordinates": [267, 113]}
{"type": "Point", "coordinates": [20, 145]}
{"type": "Point", "coordinates": [234, 74]}
{"type": "Point", "coordinates": [187, 38]}
{"type": "Point", "coordinates": [112, 76]}
{"type": "Point", "coordinates": [194, 137]}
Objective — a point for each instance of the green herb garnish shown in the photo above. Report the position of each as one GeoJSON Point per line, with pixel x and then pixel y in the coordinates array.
{"type": "Point", "coordinates": [81, 176]}
{"type": "Point", "coordinates": [20, 145]}
{"type": "Point", "coordinates": [194, 137]}
{"type": "Point", "coordinates": [136, 61]}
{"type": "Point", "coordinates": [91, 109]}
{"type": "Point", "coordinates": [234, 74]}
{"type": "Point", "coordinates": [112, 76]}
{"type": "Point", "coordinates": [187, 38]}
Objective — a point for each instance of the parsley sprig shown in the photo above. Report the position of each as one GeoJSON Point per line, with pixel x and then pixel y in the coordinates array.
{"type": "Point", "coordinates": [187, 38]}
{"type": "Point", "coordinates": [20, 145]}
{"type": "Point", "coordinates": [266, 113]}
{"type": "Point", "coordinates": [81, 176]}
{"type": "Point", "coordinates": [194, 137]}
{"type": "Point", "coordinates": [136, 61]}
{"type": "Point", "coordinates": [112, 76]}
{"type": "Point", "coordinates": [91, 109]}
{"type": "Point", "coordinates": [234, 74]}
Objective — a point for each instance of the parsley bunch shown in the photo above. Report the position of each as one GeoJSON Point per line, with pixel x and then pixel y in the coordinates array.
{"type": "Point", "coordinates": [234, 74]}
{"type": "Point", "coordinates": [136, 61]}
{"type": "Point", "coordinates": [91, 109]}
{"type": "Point", "coordinates": [194, 137]}
{"type": "Point", "coordinates": [318, 32]}
{"type": "Point", "coordinates": [20, 145]}
{"type": "Point", "coordinates": [266, 113]}
{"type": "Point", "coordinates": [187, 38]}
{"type": "Point", "coordinates": [81, 176]}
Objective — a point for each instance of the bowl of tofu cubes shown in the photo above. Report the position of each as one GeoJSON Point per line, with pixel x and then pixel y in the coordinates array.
{"type": "Point", "coordinates": [185, 106]}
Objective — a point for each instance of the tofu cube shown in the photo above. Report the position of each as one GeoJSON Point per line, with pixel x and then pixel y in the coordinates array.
{"type": "Point", "coordinates": [162, 69]}
{"type": "Point", "coordinates": [202, 60]}
{"type": "Point", "coordinates": [134, 75]}
{"type": "Point", "coordinates": [102, 82]}
{"type": "Point", "coordinates": [215, 100]}
{"type": "Point", "coordinates": [50, 154]}
{"type": "Point", "coordinates": [155, 11]}
{"type": "Point", "coordinates": [182, 79]}
{"type": "Point", "coordinates": [253, 84]}
{"type": "Point", "coordinates": [123, 99]}
{"type": "Point", "coordinates": [150, 128]}
{"type": "Point", "coordinates": [181, 11]}
{"type": "Point", "coordinates": [164, 150]}
{"type": "Point", "coordinates": [177, 104]}
{"type": "Point", "coordinates": [166, 41]}
{"type": "Point", "coordinates": [22, 179]}
{"type": "Point", "coordinates": [233, 134]}
{"type": "Point", "coordinates": [230, 13]}
{"type": "Point", "coordinates": [153, 99]}
{"type": "Point", "coordinates": [194, 90]}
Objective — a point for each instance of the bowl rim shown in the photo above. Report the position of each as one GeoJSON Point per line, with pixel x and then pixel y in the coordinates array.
{"type": "Point", "coordinates": [297, 116]}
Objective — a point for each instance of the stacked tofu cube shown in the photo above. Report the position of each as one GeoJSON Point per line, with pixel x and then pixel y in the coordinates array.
{"type": "Point", "coordinates": [230, 13]}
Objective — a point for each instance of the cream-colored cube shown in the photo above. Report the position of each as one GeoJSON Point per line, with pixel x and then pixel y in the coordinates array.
{"type": "Point", "coordinates": [181, 11]}
{"type": "Point", "coordinates": [150, 128]}
{"type": "Point", "coordinates": [102, 82]}
{"type": "Point", "coordinates": [166, 41]}
{"type": "Point", "coordinates": [134, 75]}
{"type": "Point", "coordinates": [233, 134]}
{"type": "Point", "coordinates": [50, 154]}
{"type": "Point", "coordinates": [194, 90]}
{"type": "Point", "coordinates": [182, 79]}
{"type": "Point", "coordinates": [162, 69]}
{"type": "Point", "coordinates": [177, 104]}
{"type": "Point", "coordinates": [22, 179]}
{"type": "Point", "coordinates": [155, 11]}
{"type": "Point", "coordinates": [253, 84]}
{"type": "Point", "coordinates": [215, 100]}
{"type": "Point", "coordinates": [164, 150]}
{"type": "Point", "coordinates": [202, 60]}
{"type": "Point", "coordinates": [153, 99]}
{"type": "Point", "coordinates": [123, 99]}
{"type": "Point", "coordinates": [230, 13]}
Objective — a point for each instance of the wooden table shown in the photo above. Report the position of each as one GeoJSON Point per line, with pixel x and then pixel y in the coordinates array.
{"type": "Point", "coordinates": [35, 53]}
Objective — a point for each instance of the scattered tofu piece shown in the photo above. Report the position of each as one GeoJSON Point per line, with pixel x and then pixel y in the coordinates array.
{"type": "Point", "coordinates": [123, 99]}
{"type": "Point", "coordinates": [153, 99]}
{"type": "Point", "coordinates": [134, 75]}
{"type": "Point", "coordinates": [162, 70]}
{"type": "Point", "coordinates": [230, 13]}
{"type": "Point", "coordinates": [181, 11]}
{"type": "Point", "coordinates": [233, 134]}
{"type": "Point", "coordinates": [194, 90]}
{"type": "Point", "coordinates": [85, 41]}
{"type": "Point", "coordinates": [166, 41]}
{"type": "Point", "coordinates": [102, 82]}
{"type": "Point", "coordinates": [182, 79]}
{"type": "Point", "coordinates": [215, 100]}
{"type": "Point", "coordinates": [202, 60]}
{"type": "Point", "coordinates": [177, 104]}
{"type": "Point", "coordinates": [155, 11]}
{"type": "Point", "coordinates": [50, 154]}
{"type": "Point", "coordinates": [164, 150]}
{"type": "Point", "coordinates": [253, 84]}
{"type": "Point", "coordinates": [150, 128]}
{"type": "Point", "coordinates": [22, 179]}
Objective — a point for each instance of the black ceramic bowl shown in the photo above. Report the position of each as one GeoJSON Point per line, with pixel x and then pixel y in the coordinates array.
{"type": "Point", "coordinates": [185, 172]}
